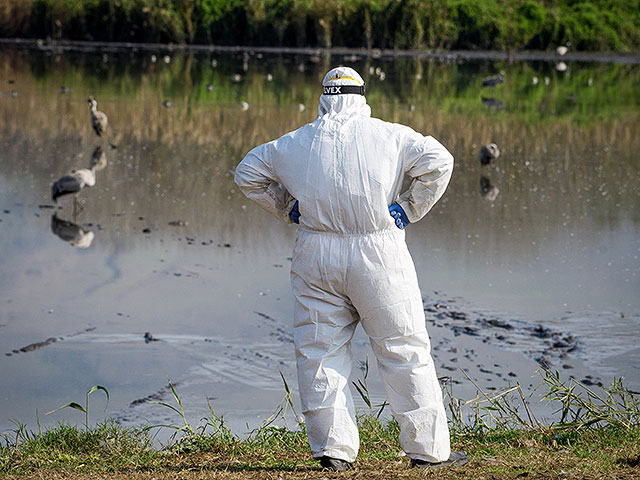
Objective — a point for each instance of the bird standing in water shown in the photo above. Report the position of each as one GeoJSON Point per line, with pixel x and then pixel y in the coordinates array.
{"type": "Point", "coordinates": [72, 183]}
{"type": "Point", "coordinates": [488, 153]}
{"type": "Point", "coordinates": [493, 81]}
{"type": "Point", "coordinates": [99, 120]}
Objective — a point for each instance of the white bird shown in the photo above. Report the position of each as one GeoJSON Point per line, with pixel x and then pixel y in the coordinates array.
{"type": "Point", "coordinates": [99, 120]}
{"type": "Point", "coordinates": [244, 106]}
{"type": "Point", "coordinates": [563, 49]}
{"type": "Point", "coordinates": [73, 182]}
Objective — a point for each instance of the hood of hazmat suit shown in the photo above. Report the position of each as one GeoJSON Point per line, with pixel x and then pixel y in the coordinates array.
{"type": "Point", "coordinates": [351, 263]}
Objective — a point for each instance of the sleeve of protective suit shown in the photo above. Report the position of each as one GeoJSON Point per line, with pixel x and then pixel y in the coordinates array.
{"type": "Point", "coordinates": [255, 177]}
{"type": "Point", "coordinates": [429, 164]}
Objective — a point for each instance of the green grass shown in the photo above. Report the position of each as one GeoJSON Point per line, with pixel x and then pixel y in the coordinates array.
{"type": "Point", "coordinates": [106, 447]}
{"type": "Point", "coordinates": [409, 24]}
{"type": "Point", "coordinates": [600, 434]}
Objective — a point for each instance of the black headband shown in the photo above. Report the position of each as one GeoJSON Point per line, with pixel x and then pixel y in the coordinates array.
{"type": "Point", "coordinates": [342, 89]}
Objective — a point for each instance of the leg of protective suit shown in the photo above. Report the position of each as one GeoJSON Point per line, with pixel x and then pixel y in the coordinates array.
{"type": "Point", "coordinates": [324, 323]}
{"type": "Point", "coordinates": [383, 287]}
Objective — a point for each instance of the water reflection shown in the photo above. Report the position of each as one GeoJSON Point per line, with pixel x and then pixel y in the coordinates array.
{"type": "Point", "coordinates": [98, 159]}
{"type": "Point", "coordinates": [182, 254]}
{"type": "Point", "coordinates": [71, 232]}
{"type": "Point", "coordinates": [492, 103]}
{"type": "Point", "coordinates": [487, 189]}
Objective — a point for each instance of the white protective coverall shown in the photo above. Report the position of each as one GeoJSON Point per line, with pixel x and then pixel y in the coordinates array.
{"type": "Point", "coordinates": [351, 264]}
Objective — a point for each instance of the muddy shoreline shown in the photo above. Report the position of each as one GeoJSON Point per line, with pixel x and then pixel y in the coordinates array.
{"type": "Point", "coordinates": [452, 55]}
{"type": "Point", "coordinates": [494, 350]}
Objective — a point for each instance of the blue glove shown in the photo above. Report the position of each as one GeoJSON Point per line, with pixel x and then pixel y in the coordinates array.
{"type": "Point", "coordinates": [399, 216]}
{"type": "Point", "coordinates": [294, 214]}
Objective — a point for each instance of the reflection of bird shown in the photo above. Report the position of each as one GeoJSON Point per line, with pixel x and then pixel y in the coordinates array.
{"type": "Point", "coordinates": [487, 190]}
{"type": "Point", "coordinates": [73, 182]}
{"type": "Point", "coordinates": [98, 159]}
{"type": "Point", "coordinates": [492, 103]}
{"type": "Point", "coordinates": [99, 120]}
{"type": "Point", "coordinates": [71, 232]}
{"type": "Point", "coordinates": [488, 153]}
{"type": "Point", "coordinates": [493, 81]}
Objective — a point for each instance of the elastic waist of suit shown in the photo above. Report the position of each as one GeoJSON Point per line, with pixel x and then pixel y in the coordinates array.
{"type": "Point", "coordinates": [385, 231]}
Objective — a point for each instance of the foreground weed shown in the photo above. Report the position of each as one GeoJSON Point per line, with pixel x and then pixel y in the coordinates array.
{"type": "Point", "coordinates": [186, 426]}
{"type": "Point", "coordinates": [285, 405]}
{"type": "Point", "coordinates": [581, 406]}
{"type": "Point", "coordinates": [84, 409]}
{"type": "Point", "coordinates": [501, 409]}
{"type": "Point", "coordinates": [363, 390]}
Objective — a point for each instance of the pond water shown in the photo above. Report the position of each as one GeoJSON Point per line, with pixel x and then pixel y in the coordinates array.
{"type": "Point", "coordinates": [163, 271]}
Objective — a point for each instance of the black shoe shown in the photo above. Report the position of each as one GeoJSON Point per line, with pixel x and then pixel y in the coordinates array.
{"type": "Point", "coordinates": [456, 459]}
{"type": "Point", "coordinates": [335, 464]}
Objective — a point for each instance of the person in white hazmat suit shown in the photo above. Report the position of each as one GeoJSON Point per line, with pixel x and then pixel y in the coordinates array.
{"type": "Point", "coordinates": [340, 177]}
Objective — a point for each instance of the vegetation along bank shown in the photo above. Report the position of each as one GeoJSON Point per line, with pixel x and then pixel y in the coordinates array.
{"type": "Point", "coordinates": [600, 25]}
{"type": "Point", "coordinates": [597, 437]}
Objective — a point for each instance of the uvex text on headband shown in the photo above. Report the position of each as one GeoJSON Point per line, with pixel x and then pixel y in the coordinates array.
{"type": "Point", "coordinates": [343, 89]}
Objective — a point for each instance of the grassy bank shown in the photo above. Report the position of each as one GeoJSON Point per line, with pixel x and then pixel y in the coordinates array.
{"type": "Point", "coordinates": [602, 25]}
{"type": "Point", "coordinates": [597, 436]}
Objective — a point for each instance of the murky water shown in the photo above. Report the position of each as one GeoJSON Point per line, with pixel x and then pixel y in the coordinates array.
{"type": "Point", "coordinates": [532, 258]}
